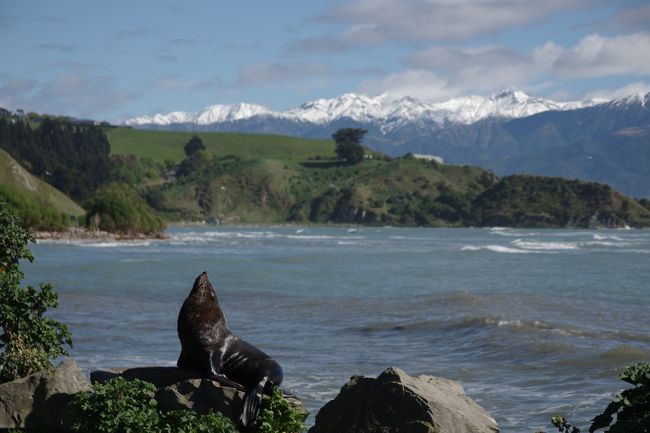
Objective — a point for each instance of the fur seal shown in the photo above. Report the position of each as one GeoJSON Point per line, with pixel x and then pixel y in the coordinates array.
{"type": "Point", "coordinates": [208, 346]}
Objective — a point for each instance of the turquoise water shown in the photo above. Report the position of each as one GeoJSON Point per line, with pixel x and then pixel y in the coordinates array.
{"type": "Point", "coordinates": [533, 322]}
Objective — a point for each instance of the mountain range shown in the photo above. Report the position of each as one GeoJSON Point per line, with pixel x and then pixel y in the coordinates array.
{"type": "Point", "coordinates": [509, 132]}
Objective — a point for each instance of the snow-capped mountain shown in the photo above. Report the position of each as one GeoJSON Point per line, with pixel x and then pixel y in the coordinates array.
{"type": "Point", "coordinates": [508, 132]}
{"type": "Point", "coordinates": [207, 116]}
{"type": "Point", "coordinates": [384, 112]}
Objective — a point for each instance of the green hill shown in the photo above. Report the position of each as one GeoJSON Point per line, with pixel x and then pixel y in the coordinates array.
{"type": "Point", "coordinates": [42, 205]}
{"type": "Point", "coordinates": [539, 201]}
{"type": "Point", "coordinates": [402, 191]}
{"type": "Point", "coordinates": [257, 178]}
{"type": "Point", "coordinates": [168, 145]}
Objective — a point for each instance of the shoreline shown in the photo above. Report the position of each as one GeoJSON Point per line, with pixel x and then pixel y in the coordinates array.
{"type": "Point", "coordinates": [81, 234]}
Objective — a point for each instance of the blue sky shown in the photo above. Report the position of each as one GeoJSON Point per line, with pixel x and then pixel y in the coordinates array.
{"type": "Point", "coordinates": [115, 60]}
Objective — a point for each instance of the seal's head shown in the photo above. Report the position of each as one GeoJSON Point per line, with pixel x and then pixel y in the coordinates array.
{"type": "Point", "coordinates": [203, 300]}
{"type": "Point", "coordinates": [202, 288]}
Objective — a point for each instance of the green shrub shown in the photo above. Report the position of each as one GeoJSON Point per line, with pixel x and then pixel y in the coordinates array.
{"type": "Point", "coordinates": [279, 416]}
{"type": "Point", "coordinates": [631, 407]}
{"type": "Point", "coordinates": [29, 340]}
{"type": "Point", "coordinates": [121, 406]}
{"type": "Point", "coordinates": [116, 406]}
{"type": "Point", "coordinates": [185, 421]}
{"type": "Point", "coordinates": [117, 207]}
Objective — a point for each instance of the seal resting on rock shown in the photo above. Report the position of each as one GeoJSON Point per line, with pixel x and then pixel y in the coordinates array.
{"type": "Point", "coordinates": [208, 346]}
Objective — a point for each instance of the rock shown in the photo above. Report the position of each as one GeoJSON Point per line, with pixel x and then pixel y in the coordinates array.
{"type": "Point", "coordinates": [395, 402]}
{"type": "Point", "coordinates": [201, 396]}
{"type": "Point", "coordinates": [39, 400]}
{"type": "Point", "coordinates": [180, 389]}
{"type": "Point", "coordinates": [159, 376]}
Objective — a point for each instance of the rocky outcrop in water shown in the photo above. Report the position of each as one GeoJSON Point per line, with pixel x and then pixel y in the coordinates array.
{"type": "Point", "coordinates": [39, 401]}
{"type": "Point", "coordinates": [395, 402]}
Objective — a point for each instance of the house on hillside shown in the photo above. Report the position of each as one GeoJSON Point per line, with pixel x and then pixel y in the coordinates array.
{"type": "Point", "coordinates": [435, 158]}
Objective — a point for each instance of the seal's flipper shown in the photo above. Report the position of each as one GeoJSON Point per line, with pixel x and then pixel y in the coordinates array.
{"type": "Point", "coordinates": [252, 403]}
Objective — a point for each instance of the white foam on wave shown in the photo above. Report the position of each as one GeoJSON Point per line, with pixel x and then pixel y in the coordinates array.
{"type": "Point", "coordinates": [497, 249]}
{"type": "Point", "coordinates": [210, 237]}
{"type": "Point", "coordinates": [598, 237]}
{"type": "Point", "coordinates": [202, 237]}
{"type": "Point", "coordinates": [513, 234]}
{"type": "Point", "coordinates": [544, 246]}
{"type": "Point", "coordinates": [114, 244]}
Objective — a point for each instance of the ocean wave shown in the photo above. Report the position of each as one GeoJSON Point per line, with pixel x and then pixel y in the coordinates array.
{"type": "Point", "coordinates": [208, 237]}
{"type": "Point", "coordinates": [497, 249]}
{"type": "Point", "coordinates": [544, 246]}
{"type": "Point", "coordinates": [463, 324]}
{"type": "Point", "coordinates": [625, 353]}
{"type": "Point", "coordinates": [114, 244]}
{"type": "Point", "coordinates": [513, 233]}
{"type": "Point", "coordinates": [633, 251]}
{"type": "Point", "coordinates": [479, 324]}
{"type": "Point", "coordinates": [598, 237]}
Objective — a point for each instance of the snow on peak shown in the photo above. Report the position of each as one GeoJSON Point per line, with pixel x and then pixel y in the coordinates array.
{"type": "Point", "coordinates": [387, 113]}
{"type": "Point", "coordinates": [638, 98]}
{"type": "Point", "coordinates": [351, 105]}
{"type": "Point", "coordinates": [207, 116]}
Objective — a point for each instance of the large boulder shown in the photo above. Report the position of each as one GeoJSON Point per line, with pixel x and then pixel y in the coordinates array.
{"type": "Point", "coordinates": [395, 402]}
{"type": "Point", "coordinates": [180, 389]}
{"type": "Point", "coordinates": [39, 401]}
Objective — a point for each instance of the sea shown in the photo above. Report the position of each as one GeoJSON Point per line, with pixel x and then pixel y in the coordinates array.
{"type": "Point", "coordinates": [533, 323]}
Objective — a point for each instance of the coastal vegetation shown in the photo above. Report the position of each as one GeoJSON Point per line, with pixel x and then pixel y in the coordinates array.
{"type": "Point", "coordinates": [117, 207]}
{"type": "Point", "coordinates": [73, 157]}
{"type": "Point", "coordinates": [122, 406]}
{"type": "Point", "coordinates": [40, 205]}
{"type": "Point", "coordinates": [119, 405]}
{"type": "Point", "coordinates": [134, 181]}
{"type": "Point", "coordinates": [30, 341]}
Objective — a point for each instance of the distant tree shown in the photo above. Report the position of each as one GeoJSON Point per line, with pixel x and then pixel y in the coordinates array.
{"type": "Point", "coordinates": [72, 157]}
{"type": "Point", "coordinates": [348, 144]}
{"type": "Point", "coordinates": [194, 145]}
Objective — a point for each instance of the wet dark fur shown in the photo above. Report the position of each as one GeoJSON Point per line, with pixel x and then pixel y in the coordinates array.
{"type": "Point", "coordinates": [208, 346]}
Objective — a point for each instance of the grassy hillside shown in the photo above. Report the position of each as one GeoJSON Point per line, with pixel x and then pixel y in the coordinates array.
{"type": "Point", "coordinates": [168, 145]}
{"type": "Point", "coordinates": [401, 191]}
{"type": "Point", "coordinates": [273, 179]}
{"type": "Point", "coordinates": [37, 202]}
{"type": "Point", "coordinates": [13, 176]}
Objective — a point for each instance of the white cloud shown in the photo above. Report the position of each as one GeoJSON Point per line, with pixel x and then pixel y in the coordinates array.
{"type": "Point", "coordinates": [444, 71]}
{"type": "Point", "coordinates": [267, 73]}
{"type": "Point", "coordinates": [425, 85]}
{"type": "Point", "coordinates": [637, 87]}
{"type": "Point", "coordinates": [634, 18]}
{"type": "Point", "coordinates": [78, 90]}
{"type": "Point", "coordinates": [373, 22]}
{"type": "Point", "coordinates": [598, 56]}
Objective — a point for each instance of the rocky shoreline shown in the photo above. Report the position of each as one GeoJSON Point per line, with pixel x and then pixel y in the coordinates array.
{"type": "Point", "coordinates": [81, 234]}
{"type": "Point", "coordinates": [393, 402]}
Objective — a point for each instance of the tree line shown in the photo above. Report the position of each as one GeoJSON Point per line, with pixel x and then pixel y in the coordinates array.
{"type": "Point", "coordinates": [73, 157]}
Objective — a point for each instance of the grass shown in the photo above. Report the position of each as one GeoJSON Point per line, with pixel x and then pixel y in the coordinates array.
{"type": "Point", "coordinates": [168, 145]}
{"type": "Point", "coordinates": [14, 177]}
